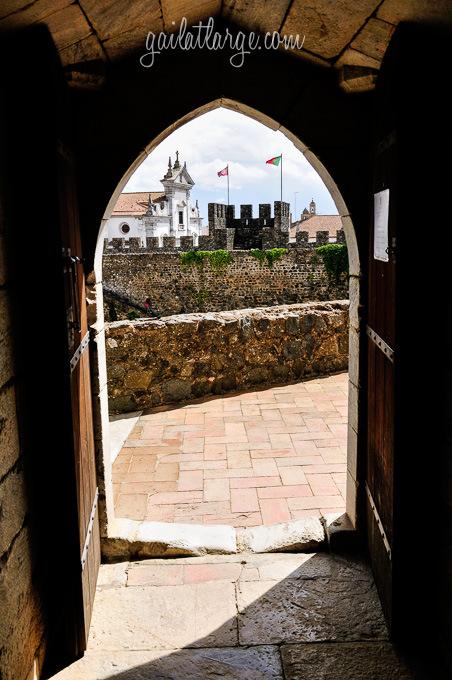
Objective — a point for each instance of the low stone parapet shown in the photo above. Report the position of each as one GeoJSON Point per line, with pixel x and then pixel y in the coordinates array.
{"type": "Point", "coordinates": [184, 357]}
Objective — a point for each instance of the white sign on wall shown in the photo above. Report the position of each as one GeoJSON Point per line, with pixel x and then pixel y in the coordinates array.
{"type": "Point", "coordinates": [381, 220]}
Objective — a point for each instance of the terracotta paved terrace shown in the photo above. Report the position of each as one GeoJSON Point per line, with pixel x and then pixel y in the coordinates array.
{"type": "Point", "coordinates": [244, 460]}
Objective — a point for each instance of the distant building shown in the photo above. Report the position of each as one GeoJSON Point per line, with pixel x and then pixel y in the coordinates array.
{"type": "Point", "coordinates": [311, 222]}
{"type": "Point", "coordinates": [158, 213]}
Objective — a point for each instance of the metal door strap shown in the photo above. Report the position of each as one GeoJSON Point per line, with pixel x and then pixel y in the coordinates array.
{"type": "Point", "coordinates": [89, 530]}
{"type": "Point", "coordinates": [379, 522]}
{"type": "Point", "coordinates": [79, 351]}
{"type": "Point", "coordinates": [381, 344]}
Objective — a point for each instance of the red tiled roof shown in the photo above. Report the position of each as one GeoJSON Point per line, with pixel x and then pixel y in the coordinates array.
{"type": "Point", "coordinates": [136, 202]}
{"type": "Point", "coordinates": [331, 223]}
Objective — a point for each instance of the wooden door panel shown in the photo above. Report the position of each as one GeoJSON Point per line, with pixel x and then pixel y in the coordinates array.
{"type": "Point", "coordinates": [380, 463]}
{"type": "Point", "coordinates": [382, 357]}
{"type": "Point", "coordinates": [81, 403]}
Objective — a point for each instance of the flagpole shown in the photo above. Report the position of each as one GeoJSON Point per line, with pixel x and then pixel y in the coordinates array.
{"type": "Point", "coordinates": [281, 178]}
{"type": "Point", "coordinates": [228, 187]}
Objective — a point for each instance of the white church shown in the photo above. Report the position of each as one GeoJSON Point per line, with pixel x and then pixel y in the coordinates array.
{"type": "Point", "coordinates": [159, 213]}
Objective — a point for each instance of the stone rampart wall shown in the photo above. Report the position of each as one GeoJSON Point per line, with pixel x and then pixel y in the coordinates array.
{"type": "Point", "coordinates": [298, 276]}
{"type": "Point", "coordinates": [180, 358]}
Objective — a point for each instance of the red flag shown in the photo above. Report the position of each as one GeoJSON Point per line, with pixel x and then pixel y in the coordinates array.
{"type": "Point", "coordinates": [223, 172]}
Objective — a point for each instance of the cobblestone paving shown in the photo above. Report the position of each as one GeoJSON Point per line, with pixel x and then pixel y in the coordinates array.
{"type": "Point", "coordinates": [256, 458]}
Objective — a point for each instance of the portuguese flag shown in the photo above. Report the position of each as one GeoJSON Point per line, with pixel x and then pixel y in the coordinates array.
{"type": "Point", "coordinates": [274, 161]}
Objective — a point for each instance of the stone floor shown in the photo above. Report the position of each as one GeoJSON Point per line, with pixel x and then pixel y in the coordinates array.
{"type": "Point", "coordinates": [243, 617]}
{"type": "Point", "coordinates": [256, 458]}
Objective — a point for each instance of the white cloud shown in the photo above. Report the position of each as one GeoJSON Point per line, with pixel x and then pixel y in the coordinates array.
{"type": "Point", "coordinates": [220, 137]}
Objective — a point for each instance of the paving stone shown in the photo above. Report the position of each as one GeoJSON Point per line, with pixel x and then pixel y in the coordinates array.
{"type": "Point", "coordinates": [130, 539]}
{"type": "Point", "coordinates": [274, 510]}
{"type": "Point", "coordinates": [255, 663]}
{"type": "Point", "coordinates": [302, 534]}
{"type": "Point", "coordinates": [357, 661]}
{"type": "Point", "coordinates": [197, 540]}
{"type": "Point", "coordinates": [249, 574]}
{"type": "Point", "coordinates": [155, 575]}
{"type": "Point", "coordinates": [289, 491]}
{"type": "Point", "coordinates": [306, 566]}
{"type": "Point", "coordinates": [201, 573]}
{"type": "Point", "coordinates": [309, 610]}
{"type": "Point", "coordinates": [294, 599]}
{"type": "Point", "coordinates": [165, 617]}
{"type": "Point", "coordinates": [216, 490]}
{"type": "Point", "coordinates": [244, 500]}
{"type": "Point", "coordinates": [112, 575]}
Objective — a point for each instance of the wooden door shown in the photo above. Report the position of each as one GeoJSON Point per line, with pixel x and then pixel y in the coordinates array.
{"type": "Point", "coordinates": [382, 366]}
{"type": "Point", "coordinates": [79, 380]}
{"type": "Point", "coordinates": [49, 326]}
{"type": "Point", "coordinates": [409, 414]}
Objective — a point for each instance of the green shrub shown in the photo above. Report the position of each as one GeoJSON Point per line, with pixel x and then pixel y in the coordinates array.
{"type": "Point", "coordinates": [335, 260]}
{"type": "Point", "coordinates": [268, 256]}
{"type": "Point", "coordinates": [218, 259]}
{"type": "Point", "coordinates": [200, 297]}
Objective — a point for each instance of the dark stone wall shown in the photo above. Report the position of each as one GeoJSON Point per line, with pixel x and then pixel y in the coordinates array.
{"type": "Point", "coordinates": [27, 469]}
{"type": "Point", "coordinates": [22, 629]}
{"type": "Point", "coordinates": [299, 276]}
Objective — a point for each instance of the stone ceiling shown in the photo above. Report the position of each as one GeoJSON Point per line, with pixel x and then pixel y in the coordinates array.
{"type": "Point", "coordinates": [351, 35]}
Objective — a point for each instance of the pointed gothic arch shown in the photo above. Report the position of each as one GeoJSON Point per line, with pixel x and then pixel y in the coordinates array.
{"type": "Point", "coordinates": [104, 466]}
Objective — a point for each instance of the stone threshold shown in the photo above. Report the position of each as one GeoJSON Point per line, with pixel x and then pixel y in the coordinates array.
{"type": "Point", "coordinates": [133, 540]}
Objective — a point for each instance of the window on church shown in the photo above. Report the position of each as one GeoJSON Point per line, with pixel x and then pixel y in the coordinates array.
{"type": "Point", "coordinates": [125, 228]}
{"type": "Point", "coordinates": [181, 217]}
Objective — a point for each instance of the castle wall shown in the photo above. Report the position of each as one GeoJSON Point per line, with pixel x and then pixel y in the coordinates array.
{"type": "Point", "coordinates": [193, 355]}
{"type": "Point", "coordinates": [298, 276]}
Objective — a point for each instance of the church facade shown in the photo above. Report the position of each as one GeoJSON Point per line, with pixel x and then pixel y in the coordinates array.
{"type": "Point", "coordinates": [159, 213]}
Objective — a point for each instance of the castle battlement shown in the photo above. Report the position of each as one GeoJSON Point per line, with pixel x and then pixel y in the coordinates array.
{"type": "Point", "coordinates": [250, 231]}
{"type": "Point", "coordinates": [228, 232]}
{"type": "Point", "coordinates": [221, 239]}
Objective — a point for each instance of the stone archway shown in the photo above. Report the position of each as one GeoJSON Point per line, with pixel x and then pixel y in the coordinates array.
{"type": "Point", "coordinates": [108, 523]}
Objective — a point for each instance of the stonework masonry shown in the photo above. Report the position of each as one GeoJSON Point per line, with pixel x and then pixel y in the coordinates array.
{"type": "Point", "coordinates": [298, 276]}
{"type": "Point", "coordinates": [247, 231]}
{"type": "Point", "coordinates": [179, 358]}
{"type": "Point", "coordinates": [21, 622]}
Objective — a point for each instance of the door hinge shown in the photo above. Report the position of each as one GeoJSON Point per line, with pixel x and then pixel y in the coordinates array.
{"type": "Point", "coordinates": [79, 351]}
{"type": "Point", "coordinates": [381, 344]}
{"type": "Point", "coordinates": [378, 522]}
{"type": "Point", "coordinates": [89, 530]}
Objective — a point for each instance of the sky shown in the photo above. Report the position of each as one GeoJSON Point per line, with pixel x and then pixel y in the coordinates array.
{"type": "Point", "coordinates": [220, 137]}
